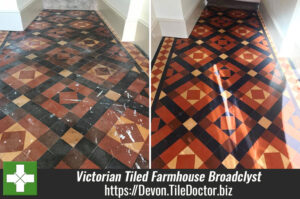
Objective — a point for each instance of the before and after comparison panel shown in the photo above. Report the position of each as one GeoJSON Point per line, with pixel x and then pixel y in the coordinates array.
{"type": "Point", "coordinates": [150, 84]}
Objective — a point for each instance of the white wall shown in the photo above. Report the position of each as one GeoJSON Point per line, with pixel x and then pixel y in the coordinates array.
{"type": "Point", "coordinates": [281, 11]}
{"type": "Point", "coordinates": [291, 43]}
{"type": "Point", "coordinates": [188, 6]}
{"type": "Point", "coordinates": [144, 16]}
{"type": "Point", "coordinates": [23, 3]}
{"type": "Point", "coordinates": [8, 6]}
{"type": "Point", "coordinates": [282, 19]}
{"type": "Point", "coordinates": [168, 9]}
{"type": "Point", "coordinates": [16, 15]}
{"type": "Point", "coordinates": [156, 35]}
{"type": "Point", "coordinates": [122, 6]}
{"type": "Point", "coordinates": [138, 16]}
{"type": "Point", "coordinates": [129, 19]}
{"type": "Point", "coordinates": [10, 10]}
{"type": "Point", "coordinates": [177, 17]}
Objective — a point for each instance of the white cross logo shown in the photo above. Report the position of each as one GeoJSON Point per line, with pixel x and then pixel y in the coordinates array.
{"type": "Point", "coordinates": [20, 178]}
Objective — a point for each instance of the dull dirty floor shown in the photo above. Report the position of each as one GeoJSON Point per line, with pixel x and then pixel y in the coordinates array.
{"type": "Point", "coordinates": [71, 95]}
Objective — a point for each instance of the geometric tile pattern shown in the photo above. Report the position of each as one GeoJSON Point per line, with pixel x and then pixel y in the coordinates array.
{"type": "Point", "coordinates": [138, 56]}
{"type": "Point", "coordinates": [71, 96]}
{"type": "Point", "coordinates": [159, 65]}
{"type": "Point", "coordinates": [224, 100]}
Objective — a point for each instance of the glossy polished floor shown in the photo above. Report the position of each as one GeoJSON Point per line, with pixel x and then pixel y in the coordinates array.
{"type": "Point", "coordinates": [222, 100]}
{"type": "Point", "coordinates": [71, 95]}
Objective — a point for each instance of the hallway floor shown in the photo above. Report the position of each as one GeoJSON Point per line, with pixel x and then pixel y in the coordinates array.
{"type": "Point", "coordinates": [72, 96]}
{"type": "Point", "coordinates": [222, 100]}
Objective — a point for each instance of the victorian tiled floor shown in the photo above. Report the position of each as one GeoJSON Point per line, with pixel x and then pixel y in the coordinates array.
{"type": "Point", "coordinates": [222, 100]}
{"type": "Point", "coordinates": [72, 96]}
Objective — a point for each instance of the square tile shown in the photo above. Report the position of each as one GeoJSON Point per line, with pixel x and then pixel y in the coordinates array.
{"type": "Point", "coordinates": [112, 95]}
{"type": "Point", "coordinates": [20, 101]}
{"type": "Point", "coordinates": [53, 93]}
{"type": "Point", "coordinates": [65, 73]}
{"type": "Point", "coordinates": [264, 122]}
{"type": "Point", "coordinates": [72, 137]}
{"type": "Point", "coordinates": [190, 124]}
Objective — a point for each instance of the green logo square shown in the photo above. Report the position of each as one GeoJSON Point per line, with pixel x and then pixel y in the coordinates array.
{"type": "Point", "coordinates": [19, 178]}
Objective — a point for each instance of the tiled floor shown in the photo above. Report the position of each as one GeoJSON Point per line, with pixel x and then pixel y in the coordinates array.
{"type": "Point", "coordinates": [223, 100]}
{"type": "Point", "coordinates": [71, 95]}
{"type": "Point", "coordinates": [3, 35]}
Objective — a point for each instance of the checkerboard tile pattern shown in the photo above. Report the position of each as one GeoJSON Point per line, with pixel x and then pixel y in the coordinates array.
{"type": "Point", "coordinates": [223, 100]}
{"type": "Point", "coordinates": [71, 96]}
{"type": "Point", "coordinates": [159, 65]}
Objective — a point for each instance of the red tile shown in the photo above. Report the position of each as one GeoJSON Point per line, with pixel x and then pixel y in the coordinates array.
{"type": "Point", "coordinates": [185, 162]}
{"type": "Point", "coordinates": [83, 107]}
{"type": "Point", "coordinates": [33, 125]}
{"type": "Point", "coordinates": [35, 150]}
{"type": "Point", "coordinates": [55, 108]}
{"type": "Point", "coordinates": [89, 165]}
{"type": "Point", "coordinates": [273, 161]}
{"type": "Point", "coordinates": [68, 98]}
{"type": "Point", "coordinates": [120, 152]}
{"type": "Point", "coordinates": [137, 86]}
{"type": "Point", "coordinates": [51, 92]}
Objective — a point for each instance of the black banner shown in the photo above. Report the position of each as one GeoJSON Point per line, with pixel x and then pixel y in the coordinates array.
{"type": "Point", "coordinates": [92, 184]}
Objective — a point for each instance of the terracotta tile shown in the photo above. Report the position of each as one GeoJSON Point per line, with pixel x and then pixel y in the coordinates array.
{"type": "Point", "coordinates": [35, 150]}
{"type": "Point", "coordinates": [54, 85]}
{"type": "Point", "coordinates": [34, 126]}
{"type": "Point", "coordinates": [55, 108]}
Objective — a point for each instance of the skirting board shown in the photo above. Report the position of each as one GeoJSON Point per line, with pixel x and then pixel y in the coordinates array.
{"type": "Point", "coordinates": [156, 37]}
{"type": "Point", "coordinates": [113, 17]}
{"type": "Point", "coordinates": [173, 27]}
{"type": "Point", "coordinates": [270, 24]}
{"type": "Point", "coordinates": [277, 38]}
{"type": "Point", "coordinates": [192, 18]}
{"type": "Point", "coordinates": [18, 21]}
{"type": "Point", "coordinates": [142, 37]}
{"type": "Point", "coordinates": [30, 12]}
{"type": "Point", "coordinates": [181, 28]}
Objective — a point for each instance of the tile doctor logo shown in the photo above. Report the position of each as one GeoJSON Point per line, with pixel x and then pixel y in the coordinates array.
{"type": "Point", "coordinates": [19, 178]}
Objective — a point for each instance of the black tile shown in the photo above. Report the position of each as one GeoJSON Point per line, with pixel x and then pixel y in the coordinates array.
{"type": "Point", "coordinates": [100, 157]}
{"type": "Point", "coordinates": [85, 146]}
{"type": "Point", "coordinates": [60, 128]}
{"type": "Point", "coordinates": [116, 164]}
{"type": "Point", "coordinates": [60, 148]}
{"type": "Point", "coordinates": [48, 161]}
